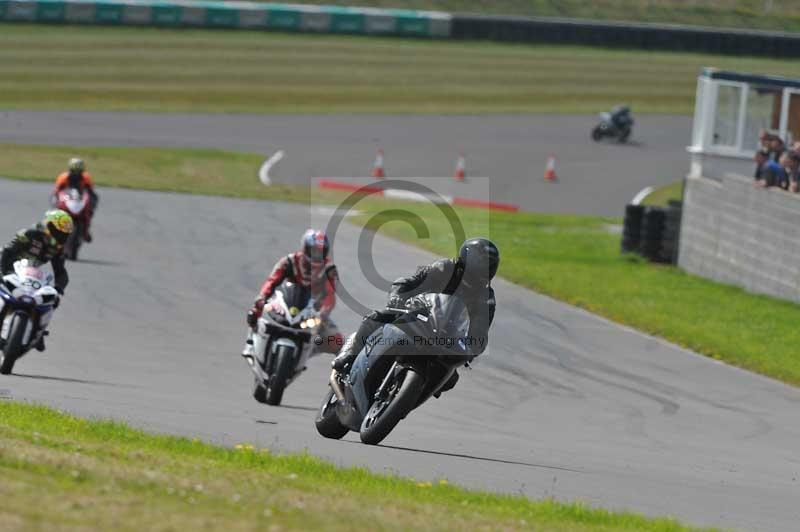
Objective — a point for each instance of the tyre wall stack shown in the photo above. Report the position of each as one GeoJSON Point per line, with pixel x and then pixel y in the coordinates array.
{"type": "Point", "coordinates": [632, 228]}
{"type": "Point", "coordinates": [626, 35]}
{"type": "Point", "coordinates": [652, 232]}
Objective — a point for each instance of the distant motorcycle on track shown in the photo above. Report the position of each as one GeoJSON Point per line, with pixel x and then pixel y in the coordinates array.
{"type": "Point", "coordinates": [77, 204]}
{"type": "Point", "coordinates": [395, 373]}
{"type": "Point", "coordinates": [27, 302]}
{"type": "Point", "coordinates": [618, 124]}
{"type": "Point", "coordinates": [282, 343]}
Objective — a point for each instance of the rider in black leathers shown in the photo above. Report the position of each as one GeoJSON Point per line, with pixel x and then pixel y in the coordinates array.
{"type": "Point", "coordinates": [468, 276]}
{"type": "Point", "coordinates": [620, 116]}
{"type": "Point", "coordinates": [42, 243]}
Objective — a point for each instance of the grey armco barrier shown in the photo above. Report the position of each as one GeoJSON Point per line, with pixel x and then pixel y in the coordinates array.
{"type": "Point", "coordinates": [245, 15]}
{"type": "Point", "coordinates": [736, 233]}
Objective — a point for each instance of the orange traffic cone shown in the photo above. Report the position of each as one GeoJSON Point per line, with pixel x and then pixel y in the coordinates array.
{"type": "Point", "coordinates": [377, 167]}
{"type": "Point", "coordinates": [550, 169]}
{"type": "Point", "coordinates": [461, 167]}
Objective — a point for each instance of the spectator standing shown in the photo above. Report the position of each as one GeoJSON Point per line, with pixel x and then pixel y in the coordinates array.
{"type": "Point", "coordinates": [790, 161]}
{"type": "Point", "coordinates": [769, 173]}
{"type": "Point", "coordinates": [776, 147]}
{"type": "Point", "coordinates": [764, 139]}
{"type": "Point", "coordinates": [761, 158]}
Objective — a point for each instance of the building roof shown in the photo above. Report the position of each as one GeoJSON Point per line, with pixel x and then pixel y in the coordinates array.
{"type": "Point", "coordinates": [743, 77]}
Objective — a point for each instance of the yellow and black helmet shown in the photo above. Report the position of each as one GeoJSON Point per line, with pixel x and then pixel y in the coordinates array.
{"type": "Point", "coordinates": [58, 224]}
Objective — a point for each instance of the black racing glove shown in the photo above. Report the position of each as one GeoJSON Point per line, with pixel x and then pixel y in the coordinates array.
{"type": "Point", "coordinates": [396, 301]}
{"type": "Point", "coordinates": [255, 312]}
{"type": "Point", "coordinates": [416, 302]}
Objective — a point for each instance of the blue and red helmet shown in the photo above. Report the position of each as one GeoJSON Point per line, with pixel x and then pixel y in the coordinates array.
{"type": "Point", "coordinates": [315, 246]}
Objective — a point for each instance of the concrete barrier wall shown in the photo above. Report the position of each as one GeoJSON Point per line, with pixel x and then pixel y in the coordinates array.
{"type": "Point", "coordinates": [246, 15]}
{"type": "Point", "coordinates": [735, 233]}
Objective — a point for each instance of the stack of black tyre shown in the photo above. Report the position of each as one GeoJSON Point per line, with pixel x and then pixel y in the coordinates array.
{"type": "Point", "coordinates": [672, 230]}
{"type": "Point", "coordinates": [652, 232]}
{"type": "Point", "coordinates": [632, 229]}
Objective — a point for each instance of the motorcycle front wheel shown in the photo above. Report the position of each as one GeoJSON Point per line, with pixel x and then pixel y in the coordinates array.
{"type": "Point", "coordinates": [74, 241]}
{"type": "Point", "coordinates": [597, 135]}
{"type": "Point", "coordinates": [327, 421]}
{"type": "Point", "coordinates": [284, 366]}
{"type": "Point", "coordinates": [385, 413]}
{"type": "Point", "coordinates": [13, 348]}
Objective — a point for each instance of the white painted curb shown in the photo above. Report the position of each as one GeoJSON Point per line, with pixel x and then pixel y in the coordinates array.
{"type": "Point", "coordinates": [263, 172]}
{"type": "Point", "coordinates": [638, 198]}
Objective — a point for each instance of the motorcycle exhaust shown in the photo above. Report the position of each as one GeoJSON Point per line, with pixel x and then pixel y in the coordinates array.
{"type": "Point", "coordinates": [337, 387]}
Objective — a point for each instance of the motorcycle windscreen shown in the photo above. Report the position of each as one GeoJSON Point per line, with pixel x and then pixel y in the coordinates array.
{"type": "Point", "coordinates": [296, 296]}
{"type": "Point", "coordinates": [449, 319]}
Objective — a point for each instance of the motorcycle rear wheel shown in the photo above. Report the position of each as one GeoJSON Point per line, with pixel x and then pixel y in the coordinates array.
{"type": "Point", "coordinates": [13, 348]}
{"type": "Point", "coordinates": [284, 365]}
{"type": "Point", "coordinates": [383, 416]}
{"type": "Point", "coordinates": [327, 422]}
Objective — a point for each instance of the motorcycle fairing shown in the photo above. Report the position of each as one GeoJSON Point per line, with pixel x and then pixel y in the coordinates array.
{"type": "Point", "coordinates": [370, 365]}
{"type": "Point", "coordinates": [27, 292]}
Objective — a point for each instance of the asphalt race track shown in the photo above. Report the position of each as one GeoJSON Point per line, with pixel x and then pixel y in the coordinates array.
{"type": "Point", "coordinates": [595, 178]}
{"type": "Point", "coordinates": [563, 404]}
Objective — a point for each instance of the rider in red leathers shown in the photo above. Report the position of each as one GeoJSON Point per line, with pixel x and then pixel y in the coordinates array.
{"type": "Point", "coordinates": [313, 268]}
{"type": "Point", "coordinates": [78, 177]}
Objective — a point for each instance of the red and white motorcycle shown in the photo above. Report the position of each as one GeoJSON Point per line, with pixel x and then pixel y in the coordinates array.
{"type": "Point", "coordinates": [27, 302]}
{"type": "Point", "coordinates": [76, 203]}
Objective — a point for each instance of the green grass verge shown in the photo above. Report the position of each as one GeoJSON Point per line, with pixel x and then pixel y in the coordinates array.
{"type": "Point", "coordinates": [661, 196]}
{"type": "Point", "coordinates": [193, 171]}
{"type": "Point", "coordinates": [64, 473]}
{"type": "Point", "coordinates": [576, 259]}
{"type": "Point", "coordinates": [749, 14]}
{"type": "Point", "coordinates": [162, 70]}
{"type": "Point", "coordinates": [572, 258]}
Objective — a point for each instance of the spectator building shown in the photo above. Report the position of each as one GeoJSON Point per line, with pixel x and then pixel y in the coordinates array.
{"type": "Point", "coordinates": [732, 112]}
{"type": "Point", "coordinates": [732, 231]}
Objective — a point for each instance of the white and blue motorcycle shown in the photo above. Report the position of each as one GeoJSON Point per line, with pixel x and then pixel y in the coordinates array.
{"type": "Point", "coordinates": [27, 302]}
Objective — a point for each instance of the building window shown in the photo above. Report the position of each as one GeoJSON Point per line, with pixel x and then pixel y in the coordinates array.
{"type": "Point", "coordinates": [763, 113]}
{"type": "Point", "coordinates": [726, 117]}
{"type": "Point", "coordinates": [793, 118]}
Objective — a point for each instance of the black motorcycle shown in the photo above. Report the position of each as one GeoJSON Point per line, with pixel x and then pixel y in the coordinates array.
{"type": "Point", "coordinates": [618, 124]}
{"type": "Point", "coordinates": [400, 367]}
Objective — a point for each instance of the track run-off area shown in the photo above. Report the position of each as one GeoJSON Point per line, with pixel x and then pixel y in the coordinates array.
{"type": "Point", "coordinates": [510, 150]}
{"type": "Point", "coordinates": [563, 404]}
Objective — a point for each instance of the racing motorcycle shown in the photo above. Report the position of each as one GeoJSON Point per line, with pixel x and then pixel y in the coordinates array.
{"type": "Point", "coordinates": [400, 367]}
{"type": "Point", "coordinates": [27, 301]}
{"type": "Point", "coordinates": [618, 124]}
{"type": "Point", "coordinates": [282, 342]}
{"type": "Point", "coordinates": [76, 203]}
